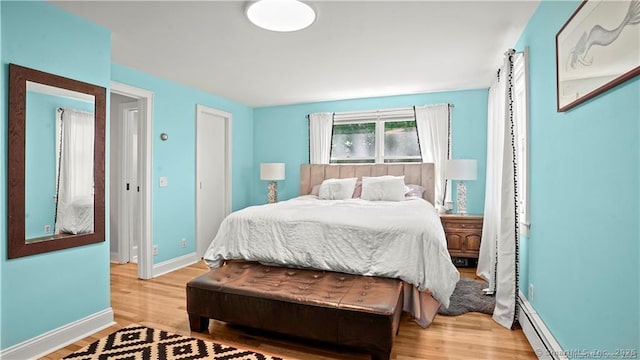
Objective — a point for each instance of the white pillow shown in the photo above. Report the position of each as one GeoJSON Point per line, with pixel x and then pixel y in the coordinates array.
{"type": "Point", "coordinates": [337, 189]}
{"type": "Point", "coordinates": [383, 188]}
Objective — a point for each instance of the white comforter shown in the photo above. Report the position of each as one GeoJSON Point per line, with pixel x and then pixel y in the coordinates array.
{"type": "Point", "coordinates": [402, 239]}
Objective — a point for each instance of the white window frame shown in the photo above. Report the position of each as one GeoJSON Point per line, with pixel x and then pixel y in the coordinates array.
{"type": "Point", "coordinates": [521, 99]}
{"type": "Point", "coordinates": [379, 118]}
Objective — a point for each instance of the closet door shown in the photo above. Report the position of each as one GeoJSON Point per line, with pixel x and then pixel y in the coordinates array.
{"type": "Point", "coordinates": [213, 173]}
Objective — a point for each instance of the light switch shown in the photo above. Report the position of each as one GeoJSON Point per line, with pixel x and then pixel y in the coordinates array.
{"type": "Point", "coordinates": [163, 181]}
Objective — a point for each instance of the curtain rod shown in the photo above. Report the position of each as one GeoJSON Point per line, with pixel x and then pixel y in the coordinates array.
{"type": "Point", "coordinates": [374, 111]}
{"type": "Point", "coordinates": [449, 104]}
{"type": "Point", "coordinates": [385, 111]}
{"type": "Point", "coordinates": [60, 109]}
{"type": "Point", "coordinates": [391, 112]}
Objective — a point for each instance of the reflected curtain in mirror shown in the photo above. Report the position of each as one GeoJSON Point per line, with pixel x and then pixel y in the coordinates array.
{"type": "Point", "coordinates": [74, 211]}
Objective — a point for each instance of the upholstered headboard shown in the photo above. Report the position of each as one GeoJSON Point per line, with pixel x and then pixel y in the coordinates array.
{"type": "Point", "coordinates": [421, 174]}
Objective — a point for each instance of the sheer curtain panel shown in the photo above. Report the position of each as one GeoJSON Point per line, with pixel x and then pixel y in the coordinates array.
{"type": "Point", "coordinates": [320, 128]}
{"type": "Point", "coordinates": [75, 170]}
{"type": "Point", "coordinates": [433, 125]}
{"type": "Point", "coordinates": [498, 261]}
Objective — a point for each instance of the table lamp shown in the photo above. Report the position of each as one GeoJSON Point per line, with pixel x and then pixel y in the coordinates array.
{"type": "Point", "coordinates": [461, 170]}
{"type": "Point", "coordinates": [272, 172]}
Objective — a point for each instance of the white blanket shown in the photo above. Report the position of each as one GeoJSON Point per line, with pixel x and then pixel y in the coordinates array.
{"type": "Point", "coordinates": [76, 217]}
{"type": "Point", "coordinates": [402, 239]}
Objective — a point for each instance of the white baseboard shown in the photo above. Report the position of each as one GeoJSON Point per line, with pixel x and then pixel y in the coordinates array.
{"type": "Point", "coordinates": [114, 257]}
{"type": "Point", "coordinates": [174, 264]}
{"type": "Point", "coordinates": [542, 341]}
{"type": "Point", "coordinates": [57, 338]}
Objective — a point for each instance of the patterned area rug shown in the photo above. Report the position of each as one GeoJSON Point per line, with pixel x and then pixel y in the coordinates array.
{"type": "Point", "coordinates": [467, 297]}
{"type": "Point", "coordinates": [137, 342]}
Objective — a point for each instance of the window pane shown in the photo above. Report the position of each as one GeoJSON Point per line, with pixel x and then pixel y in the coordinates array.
{"type": "Point", "coordinates": [401, 140]}
{"type": "Point", "coordinates": [353, 141]}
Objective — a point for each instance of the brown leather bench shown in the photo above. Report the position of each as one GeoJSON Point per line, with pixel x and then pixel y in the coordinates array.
{"type": "Point", "coordinates": [356, 311]}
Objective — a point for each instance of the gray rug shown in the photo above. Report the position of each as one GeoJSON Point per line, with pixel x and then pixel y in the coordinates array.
{"type": "Point", "coordinates": [468, 297]}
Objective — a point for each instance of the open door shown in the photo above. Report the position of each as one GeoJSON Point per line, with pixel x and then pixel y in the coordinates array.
{"type": "Point", "coordinates": [130, 177]}
{"type": "Point", "coordinates": [130, 216]}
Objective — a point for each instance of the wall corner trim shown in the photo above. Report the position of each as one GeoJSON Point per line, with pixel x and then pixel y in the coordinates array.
{"type": "Point", "coordinates": [55, 339]}
{"type": "Point", "coordinates": [542, 341]}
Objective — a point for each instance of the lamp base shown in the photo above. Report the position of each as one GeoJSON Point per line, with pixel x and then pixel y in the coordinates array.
{"type": "Point", "coordinates": [272, 192]}
{"type": "Point", "coordinates": [461, 192]}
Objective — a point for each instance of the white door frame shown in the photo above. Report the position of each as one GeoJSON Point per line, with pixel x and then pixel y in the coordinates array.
{"type": "Point", "coordinates": [145, 259]}
{"type": "Point", "coordinates": [201, 109]}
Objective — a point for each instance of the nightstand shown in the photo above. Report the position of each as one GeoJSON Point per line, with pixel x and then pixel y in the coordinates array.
{"type": "Point", "coordinates": [463, 234]}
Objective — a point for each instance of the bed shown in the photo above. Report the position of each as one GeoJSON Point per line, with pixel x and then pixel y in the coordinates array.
{"type": "Point", "coordinates": [402, 239]}
{"type": "Point", "coordinates": [76, 217]}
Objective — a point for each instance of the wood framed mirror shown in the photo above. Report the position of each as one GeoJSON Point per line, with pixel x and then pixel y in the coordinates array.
{"type": "Point", "coordinates": [56, 162]}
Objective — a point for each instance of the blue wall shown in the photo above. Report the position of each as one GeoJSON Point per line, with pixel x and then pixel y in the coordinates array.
{"type": "Point", "coordinates": [40, 166]}
{"type": "Point", "coordinates": [174, 113]}
{"type": "Point", "coordinates": [583, 252]}
{"type": "Point", "coordinates": [42, 292]}
{"type": "Point", "coordinates": [41, 158]}
{"type": "Point", "coordinates": [281, 134]}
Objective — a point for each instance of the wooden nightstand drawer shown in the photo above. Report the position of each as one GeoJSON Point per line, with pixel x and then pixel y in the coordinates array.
{"type": "Point", "coordinates": [463, 234]}
{"type": "Point", "coordinates": [462, 225]}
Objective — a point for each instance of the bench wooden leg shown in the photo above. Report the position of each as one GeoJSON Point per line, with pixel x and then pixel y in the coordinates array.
{"type": "Point", "coordinates": [198, 323]}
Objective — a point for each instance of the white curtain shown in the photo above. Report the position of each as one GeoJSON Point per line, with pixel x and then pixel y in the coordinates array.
{"type": "Point", "coordinates": [320, 129]}
{"type": "Point", "coordinates": [74, 211]}
{"type": "Point", "coordinates": [498, 261]}
{"type": "Point", "coordinates": [432, 123]}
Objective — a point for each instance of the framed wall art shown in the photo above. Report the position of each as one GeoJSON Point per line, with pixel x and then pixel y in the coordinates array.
{"type": "Point", "coordinates": [597, 49]}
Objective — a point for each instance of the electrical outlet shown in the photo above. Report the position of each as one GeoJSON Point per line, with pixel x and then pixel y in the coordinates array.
{"type": "Point", "coordinates": [530, 292]}
{"type": "Point", "coordinates": [47, 228]}
{"type": "Point", "coordinates": [183, 242]}
{"type": "Point", "coordinates": [155, 250]}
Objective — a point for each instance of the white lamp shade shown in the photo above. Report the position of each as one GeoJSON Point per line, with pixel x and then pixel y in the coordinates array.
{"type": "Point", "coordinates": [462, 169]}
{"type": "Point", "coordinates": [272, 171]}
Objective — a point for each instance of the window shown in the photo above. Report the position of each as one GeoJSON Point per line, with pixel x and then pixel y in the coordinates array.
{"type": "Point", "coordinates": [353, 143]}
{"type": "Point", "coordinates": [383, 136]}
{"type": "Point", "coordinates": [401, 142]}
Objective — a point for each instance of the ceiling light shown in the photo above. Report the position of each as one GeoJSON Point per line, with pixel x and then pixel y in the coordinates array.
{"type": "Point", "coordinates": [281, 15]}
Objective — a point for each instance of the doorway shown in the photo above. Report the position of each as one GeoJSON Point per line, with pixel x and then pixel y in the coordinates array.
{"type": "Point", "coordinates": [130, 177]}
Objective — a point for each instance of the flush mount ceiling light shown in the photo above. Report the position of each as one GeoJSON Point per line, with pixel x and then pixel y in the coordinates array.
{"type": "Point", "coordinates": [281, 15]}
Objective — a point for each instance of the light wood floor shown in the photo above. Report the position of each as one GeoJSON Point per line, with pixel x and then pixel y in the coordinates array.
{"type": "Point", "coordinates": [160, 303]}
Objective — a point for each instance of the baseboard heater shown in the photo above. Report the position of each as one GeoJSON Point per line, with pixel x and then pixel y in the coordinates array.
{"type": "Point", "coordinates": [542, 341]}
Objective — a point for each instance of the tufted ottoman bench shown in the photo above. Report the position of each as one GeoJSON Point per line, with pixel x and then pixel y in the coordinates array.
{"type": "Point", "coordinates": [356, 311]}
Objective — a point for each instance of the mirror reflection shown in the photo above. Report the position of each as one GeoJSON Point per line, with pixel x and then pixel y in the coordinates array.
{"type": "Point", "coordinates": [59, 155]}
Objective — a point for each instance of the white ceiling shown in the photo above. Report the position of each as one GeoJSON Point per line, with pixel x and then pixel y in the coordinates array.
{"type": "Point", "coordinates": [354, 49]}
